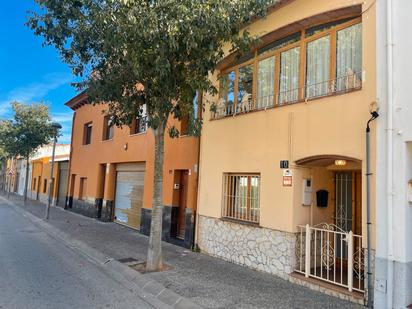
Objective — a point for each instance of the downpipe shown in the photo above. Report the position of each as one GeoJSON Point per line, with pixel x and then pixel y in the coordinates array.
{"type": "Point", "coordinates": [374, 115]}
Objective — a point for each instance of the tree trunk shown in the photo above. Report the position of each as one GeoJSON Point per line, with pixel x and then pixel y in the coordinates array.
{"type": "Point", "coordinates": [26, 180]}
{"type": "Point", "coordinates": [154, 254]}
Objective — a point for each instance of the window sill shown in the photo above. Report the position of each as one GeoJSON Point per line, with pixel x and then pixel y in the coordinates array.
{"type": "Point", "coordinates": [137, 134]}
{"type": "Point", "coordinates": [238, 221]}
{"type": "Point", "coordinates": [284, 104]}
{"type": "Point", "coordinates": [185, 135]}
{"type": "Point", "coordinates": [107, 140]}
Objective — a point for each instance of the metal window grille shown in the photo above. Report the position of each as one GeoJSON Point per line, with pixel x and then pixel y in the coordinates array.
{"type": "Point", "coordinates": [241, 197]}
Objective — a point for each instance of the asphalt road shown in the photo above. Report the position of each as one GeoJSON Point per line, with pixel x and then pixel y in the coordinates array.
{"type": "Point", "coordinates": [36, 271]}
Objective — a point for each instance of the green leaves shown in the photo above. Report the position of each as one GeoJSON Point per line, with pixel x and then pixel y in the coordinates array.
{"type": "Point", "coordinates": [29, 129]}
{"type": "Point", "coordinates": [168, 47]}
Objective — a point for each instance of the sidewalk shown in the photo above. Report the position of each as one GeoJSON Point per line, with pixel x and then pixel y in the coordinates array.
{"type": "Point", "coordinates": [207, 281]}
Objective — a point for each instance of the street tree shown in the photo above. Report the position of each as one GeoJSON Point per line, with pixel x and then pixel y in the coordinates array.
{"type": "Point", "coordinates": [151, 55]}
{"type": "Point", "coordinates": [29, 129]}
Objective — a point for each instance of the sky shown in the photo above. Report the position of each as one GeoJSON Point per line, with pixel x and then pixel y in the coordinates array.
{"type": "Point", "coordinates": [31, 73]}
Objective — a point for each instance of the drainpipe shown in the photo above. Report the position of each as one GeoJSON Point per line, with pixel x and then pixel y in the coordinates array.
{"type": "Point", "coordinates": [389, 158]}
{"type": "Point", "coordinates": [374, 115]}
{"type": "Point", "coordinates": [195, 245]}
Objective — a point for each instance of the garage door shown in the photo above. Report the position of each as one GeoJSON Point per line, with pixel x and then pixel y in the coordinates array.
{"type": "Point", "coordinates": [129, 197]}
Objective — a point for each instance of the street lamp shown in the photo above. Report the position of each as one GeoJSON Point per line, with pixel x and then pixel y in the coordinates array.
{"type": "Point", "coordinates": [56, 127]}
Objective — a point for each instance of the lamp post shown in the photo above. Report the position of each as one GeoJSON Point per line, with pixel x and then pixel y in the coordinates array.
{"type": "Point", "coordinates": [56, 127]}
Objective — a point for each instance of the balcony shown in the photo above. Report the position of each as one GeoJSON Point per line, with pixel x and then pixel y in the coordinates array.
{"type": "Point", "coordinates": [340, 85]}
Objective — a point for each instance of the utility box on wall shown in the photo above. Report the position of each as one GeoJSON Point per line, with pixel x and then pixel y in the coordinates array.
{"type": "Point", "coordinates": [307, 192]}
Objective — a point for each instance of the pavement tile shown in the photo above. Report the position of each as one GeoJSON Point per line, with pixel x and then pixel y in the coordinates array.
{"type": "Point", "coordinates": [168, 297]}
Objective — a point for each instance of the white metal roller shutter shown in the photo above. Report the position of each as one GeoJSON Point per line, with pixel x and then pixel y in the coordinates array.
{"type": "Point", "coordinates": [129, 197]}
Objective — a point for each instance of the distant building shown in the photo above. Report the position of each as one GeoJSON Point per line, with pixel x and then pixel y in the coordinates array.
{"type": "Point", "coordinates": [39, 186]}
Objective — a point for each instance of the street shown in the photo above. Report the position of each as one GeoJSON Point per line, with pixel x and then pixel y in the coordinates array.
{"type": "Point", "coordinates": [36, 271]}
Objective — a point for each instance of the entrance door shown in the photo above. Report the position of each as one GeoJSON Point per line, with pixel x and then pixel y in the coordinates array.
{"type": "Point", "coordinates": [129, 197]}
{"type": "Point", "coordinates": [63, 179]}
{"type": "Point", "coordinates": [38, 188]}
{"type": "Point", "coordinates": [343, 209]}
{"type": "Point", "coordinates": [344, 201]}
{"type": "Point", "coordinates": [183, 188]}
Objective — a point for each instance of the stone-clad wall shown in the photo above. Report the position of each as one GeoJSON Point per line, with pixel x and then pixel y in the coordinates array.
{"type": "Point", "coordinates": [255, 247]}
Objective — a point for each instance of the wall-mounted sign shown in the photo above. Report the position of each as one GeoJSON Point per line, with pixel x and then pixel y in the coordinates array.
{"type": "Point", "coordinates": [287, 178]}
{"type": "Point", "coordinates": [284, 164]}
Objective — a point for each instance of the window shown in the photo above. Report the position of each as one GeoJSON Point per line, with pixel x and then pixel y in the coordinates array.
{"type": "Point", "coordinates": [82, 188]}
{"type": "Point", "coordinates": [349, 57]}
{"type": "Point", "coordinates": [314, 62]}
{"type": "Point", "coordinates": [318, 67]}
{"type": "Point", "coordinates": [87, 133]}
{"type": "Point", "coordinates": [241, 197]}
{"type": "Point", "coordinates": [185, 122]}
{"type": "Point", "coordinates": [289, 75]}
{"type": "Point", "coordinates": [139, 124]}
{"type": "Point", "coordinates": [44, 185]}
{"type": "Point", "coordinates": [280, 43]}
{"type": "Point", "coordinates": [108, 128]}
{"type": "Point", "coordinates": [266, 82]}
{"type": "Point", "coordinates": [227, 93]}
{"type": "Point", "coordinates": [245, 88]}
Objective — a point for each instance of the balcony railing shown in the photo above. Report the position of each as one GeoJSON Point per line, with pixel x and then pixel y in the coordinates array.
{"type": "Point", "coordinates": [308, 92]}
{"type": "Point", "coordinates": [328, 253]}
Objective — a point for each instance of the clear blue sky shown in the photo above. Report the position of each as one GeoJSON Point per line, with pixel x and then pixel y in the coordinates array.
{"type": "Point", "coordinates": [29, 72]}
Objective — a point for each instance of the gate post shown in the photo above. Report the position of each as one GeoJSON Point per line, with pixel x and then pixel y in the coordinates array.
{"type": "Point", "coordinates": [349, 237]}
{"type": "Point", "coordinates": [307, 251]}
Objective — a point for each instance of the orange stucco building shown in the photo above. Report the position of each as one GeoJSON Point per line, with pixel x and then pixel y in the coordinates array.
{"type": "Point", "coordinates": [111, 173]}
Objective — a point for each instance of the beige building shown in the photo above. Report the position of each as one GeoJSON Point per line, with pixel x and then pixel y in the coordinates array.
{"type": "Point", "coordinates": [282, 159]}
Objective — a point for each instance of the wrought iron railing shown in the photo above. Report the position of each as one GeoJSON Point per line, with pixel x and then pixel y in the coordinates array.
{"type": "Point", "coordinates": [308, 92]}
{"type": "Point", "coordinates": [330, 254]}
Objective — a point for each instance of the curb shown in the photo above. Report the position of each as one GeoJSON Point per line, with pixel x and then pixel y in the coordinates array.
{"type": "Point", "coordinates": [151, 291]}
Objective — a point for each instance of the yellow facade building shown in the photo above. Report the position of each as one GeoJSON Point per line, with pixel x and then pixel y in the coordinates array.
{"type": "Point", "coordinates": [282, 159]}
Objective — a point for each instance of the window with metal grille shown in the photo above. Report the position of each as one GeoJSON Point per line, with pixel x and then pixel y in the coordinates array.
{"type": "Point", "coordinates": [241, 197]}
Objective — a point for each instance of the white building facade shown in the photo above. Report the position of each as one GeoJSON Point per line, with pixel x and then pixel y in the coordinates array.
{"type": "Point", "coordinates": [393, 277]}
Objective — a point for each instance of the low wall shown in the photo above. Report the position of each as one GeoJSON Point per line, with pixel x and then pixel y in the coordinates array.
{"type": "Point", "coordinates": [255, 247]}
